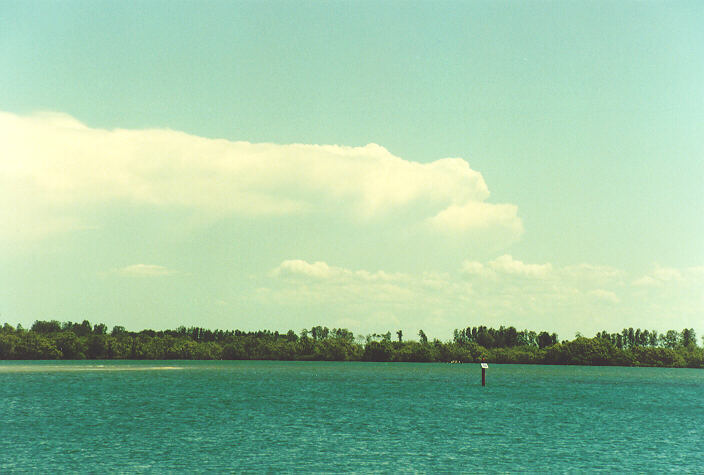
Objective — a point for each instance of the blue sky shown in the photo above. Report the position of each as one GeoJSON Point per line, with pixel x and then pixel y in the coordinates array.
{"type": "Point", "coordinates": [535, 164]}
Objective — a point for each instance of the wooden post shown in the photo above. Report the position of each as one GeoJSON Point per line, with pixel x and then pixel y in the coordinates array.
{"type": "Point", "coordinates": [483, 376]}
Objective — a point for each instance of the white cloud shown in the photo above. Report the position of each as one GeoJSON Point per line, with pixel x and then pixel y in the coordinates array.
{"type": "Point", "coordinates": [300, 269]}
{"type": "Point", "coordinates": [592, 275]}
{"type": "Point", "coordinates": [320, 281]}
{"type": "Point", "coordinates": [581, 275]}
{"type": "Point", "coordinates": [503, 291]}
{"type": "Point", "coordinates": [667, 274]}
{"type": "Point", "coordinates": [660, 276]}
{"type": "Point", "coordinates": [646, 281]}
{"type": "Point", "coordinates": [474, 268]}
{"type": "Point", "coordinates": [53, 166]}
{"type": "Point", "coordinates": [144, 270]}
{"type": "Point", "coordinates": [508, 265]}
{"type": "Point", "coordinates": [605, 295]}
{"type": "Point", "coordinates": [478, 216]}
{"type": "Point", "coordinates": [365, 300]}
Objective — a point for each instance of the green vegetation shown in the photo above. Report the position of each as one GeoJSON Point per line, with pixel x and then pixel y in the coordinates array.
{"type": "Point", "coordinates": [56, 340]}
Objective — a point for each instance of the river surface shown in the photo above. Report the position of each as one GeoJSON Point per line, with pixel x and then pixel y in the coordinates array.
{"type": "Point", "coordinates": [337, 417]}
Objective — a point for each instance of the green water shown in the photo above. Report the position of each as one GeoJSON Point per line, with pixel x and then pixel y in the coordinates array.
{"type": "Point", "coordinates": [299, 416]}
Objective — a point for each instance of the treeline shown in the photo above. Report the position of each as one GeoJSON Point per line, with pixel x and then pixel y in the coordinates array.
{"type": "Point", "coordinates": [68, 340]}
{"type": "Point", "coordinates": [504, 337]}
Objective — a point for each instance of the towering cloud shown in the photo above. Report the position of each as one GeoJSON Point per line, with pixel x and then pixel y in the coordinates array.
{"type": "Point", "coordinates": [52, 167]}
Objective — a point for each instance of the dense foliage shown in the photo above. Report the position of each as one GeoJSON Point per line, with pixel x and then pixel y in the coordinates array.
{"type": "Point", "coordinates": [56, 340]}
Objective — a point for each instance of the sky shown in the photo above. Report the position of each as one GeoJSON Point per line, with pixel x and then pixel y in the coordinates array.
{"type": "Point", "coordinates": [366, 165]}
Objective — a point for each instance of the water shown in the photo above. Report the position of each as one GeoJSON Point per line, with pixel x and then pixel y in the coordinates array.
{"type": "Point", "coordinates": [299, 416]}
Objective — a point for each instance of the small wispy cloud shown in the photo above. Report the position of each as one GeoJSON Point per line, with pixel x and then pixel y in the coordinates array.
{"type": "Point", "coordinates": [144, 270]}
{"type": "Point", "coordinates": [660, 276]}
{"type": "Point", "coordinates": [604, 295]}
{"type": "Point", "coordinates": [506, 265]}
{"type": "Point", "coordinates": [300, 269]}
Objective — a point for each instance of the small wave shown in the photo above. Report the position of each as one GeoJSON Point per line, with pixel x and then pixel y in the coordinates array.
{"type": "Point", "coordinates": [67, 368]}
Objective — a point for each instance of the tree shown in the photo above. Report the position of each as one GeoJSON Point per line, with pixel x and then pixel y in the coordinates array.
{"type": "Point", "coordinates": [688, 337]}
{"type": "Point", "coordinates": [544, 340]}
{"type": "Point", "coordinates": [378, 351]}
{"type": "Point", "coordinates": [70, 346]}
{"type": "Point", "coordinates": [319, 333]}
{"type": "Point", "coordinates": [619, 341]}
{"type": "Point", "coordinates": [653, 339]}
{"type": "Point", "coordinates": [8, 343]}
{"type": "Point", "coordinates": [423, 338]}
{"type": "Point", "coordinates": [510, 336]}
{"type": "Point", "coordinates": [399, 334]}
{"type": "Point", "coordinates": [46, 327]}
{"type": "Point", "coordinates": [84, 329]}
{"type": "Point", "coordinates": [589, 351]}
{"type": "Point", "coordinates": [670, 339]}
{"type": "Point", "coordinates": [34, 346]}
{"type": "Point", "coordinates": [96, 347]}
{"type": "Point", "coordinates": [644, 338]}
{"type": "Point", "coordinates": [527, 338]}
{"type": "Point", "coordinates": [343, 334]}
{"type": "Point", "coordinates": [413, 351]}
{"type": "Point", "coordinates": [485, 337]}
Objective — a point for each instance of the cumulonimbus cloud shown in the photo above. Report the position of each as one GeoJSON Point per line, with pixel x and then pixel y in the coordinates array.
{"type": "Point", "coordinates": [51, 165]}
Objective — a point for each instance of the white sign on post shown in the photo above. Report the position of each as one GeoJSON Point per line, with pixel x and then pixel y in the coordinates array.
{"type": "Point", "coordinates": [485, 366]}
